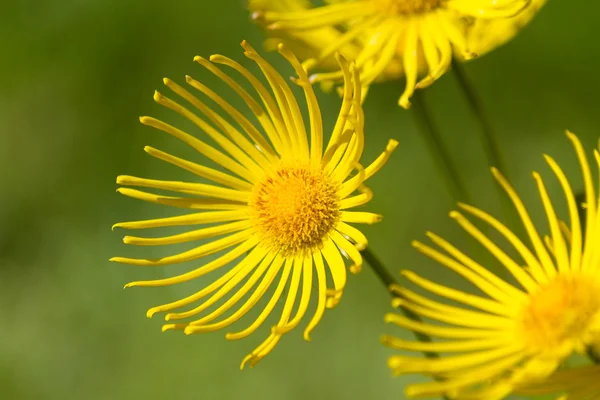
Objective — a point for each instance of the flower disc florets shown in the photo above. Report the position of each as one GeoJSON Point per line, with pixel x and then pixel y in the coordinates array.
{"type": "Point", "coordinates": [564, 310]}
{"type": "Point", "coordinates": [410, 7]}
{"type": "Point", "coordinates": [295, 208]}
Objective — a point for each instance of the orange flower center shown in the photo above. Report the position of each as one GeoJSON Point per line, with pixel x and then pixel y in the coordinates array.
{"type": "Point", "coordinates": [565, 310]}
{"type": "Point", "coordinates": [296, 208]}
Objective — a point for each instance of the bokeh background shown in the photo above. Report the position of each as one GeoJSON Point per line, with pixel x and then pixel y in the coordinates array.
{"type": "Point", "coordinates": [76, 74]}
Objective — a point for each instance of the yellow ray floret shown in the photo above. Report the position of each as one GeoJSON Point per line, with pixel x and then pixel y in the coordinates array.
{"type": "Point", "coordinates": [278, 212]}
{"type": "Point", "coordinates": [507, 333]}
{"type": "Point", "coordinates": [391, 38]}
{"type": "Point", "coordinates": [582, 383]}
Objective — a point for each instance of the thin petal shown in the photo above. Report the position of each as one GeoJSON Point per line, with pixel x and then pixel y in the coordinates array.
{"type": "Point", "coordinates": [198, 325]}
{"type": "Point", "coordinates": [269, 307]}
{"type": "Point", "coordinates": [182, 202]}
{"type": "Point", "coordinates": [337, 268]}
{"type": "Point", "coordinates": [321, 295]}
{"type": "Point", "coordinates": [200, 170]}
{"type": "Point", "coordinates": [189, 236]}
{"type": "Point", "coordinates": [201, 271]}
{"type": "Point", "coordinates": [198, 252]}
{"type": "Point", "coordinates": [188, 219]}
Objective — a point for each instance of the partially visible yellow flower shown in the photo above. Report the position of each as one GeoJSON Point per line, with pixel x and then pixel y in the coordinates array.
{"type": "Point", "coordinates": [391, 38]}
{"type": "Point", "coordinates": [581, 383]}
{"type": "Point", "coordinates": [509, 332]}
{"type": "Point", "coordinates": [280, 212]}
{"type": "Point", "coordinates": [487, 34]}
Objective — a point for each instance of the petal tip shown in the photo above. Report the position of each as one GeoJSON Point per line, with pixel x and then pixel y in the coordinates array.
{"type": "Point", "coordinates": [392, 145]}
{"type": "Point", "coordinates": [454, 214]}
{"type": "Point", "coordinates": [404, 102]}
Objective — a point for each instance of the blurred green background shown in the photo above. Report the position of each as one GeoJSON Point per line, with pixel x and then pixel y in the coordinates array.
{"type": "Point", "coordinates": [78, 73]}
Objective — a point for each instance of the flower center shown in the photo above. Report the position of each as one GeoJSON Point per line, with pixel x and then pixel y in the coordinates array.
{"type": "Point", "coordinates": [565, 310]}
{"type": "Point", "coordinates": [409, 7]}
{"type": "Point", "coordinates": [296, 208]}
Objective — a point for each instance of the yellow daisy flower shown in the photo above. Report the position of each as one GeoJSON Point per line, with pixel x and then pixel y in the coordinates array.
{"type": "Point", "coordinates": [581, 383]}
{"type": "Point", "coordinates": [281, 211]}
{"type": "Point", "coordinates": [513, 331]}
{"type": "Point", "coordinates": [391, 38]}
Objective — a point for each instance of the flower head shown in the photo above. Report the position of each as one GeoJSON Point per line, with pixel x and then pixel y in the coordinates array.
{"type": "Point", "coordinates": [278, 210]}
{"type": "Point", "coordinates": [515, 330]}
{"type": "Point", "coordinates": [391, 38]}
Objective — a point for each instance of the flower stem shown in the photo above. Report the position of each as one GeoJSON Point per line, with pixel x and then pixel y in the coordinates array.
{"type": "Point", "coordinates": [593, 356]}
{"type": "Point", "coordinates": [438, 150]}
{"type": "Point", "coordinates": [486, 132]}
{"type": "Point", "coordinates": [489, 142]}
{"type": "Point", "coordinates": [382, 273]}
{"type": "Point", "coordinates": [441, 156]}
{"type": "Point", "coordinates": [388, 280]}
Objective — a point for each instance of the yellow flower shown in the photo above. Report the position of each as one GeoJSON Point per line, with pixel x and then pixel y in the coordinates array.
{"type": "Point", "coordinates": [280, 212]}
{"type": "Point", "coordinates": [391, 38]}
{"type": "Point", "coordinates": [517, 330]}
{"type": "Point", "coordinates": [581, 383]}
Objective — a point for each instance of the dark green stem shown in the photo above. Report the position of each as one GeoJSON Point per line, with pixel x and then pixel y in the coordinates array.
{"type": "Point", "coordinates": [490, 145]}
{"type": "Point", "coordinates": [382, 273]}
{"type": "Point", "coordinates": [388, 280]}
{"type": "Point", "coordinates": [486, 132]}
{"type": "Point", "coordinates": [438, 150]}
{"type": "Point", "coordinates": [593, 356]}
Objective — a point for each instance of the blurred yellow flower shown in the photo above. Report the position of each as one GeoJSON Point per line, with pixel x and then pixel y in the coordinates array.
{"type": "Point", "coordinates": [516, 331]}
{"type": "Point", "coordinates": [281, 211]}
{"type": "Point", "coordinates": [581, 383]}
{"type": "Point", "coordinates": [392, 38]}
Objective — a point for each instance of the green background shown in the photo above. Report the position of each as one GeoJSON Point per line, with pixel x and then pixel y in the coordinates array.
{"type": "Point", "coordinates": [76, 74]}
